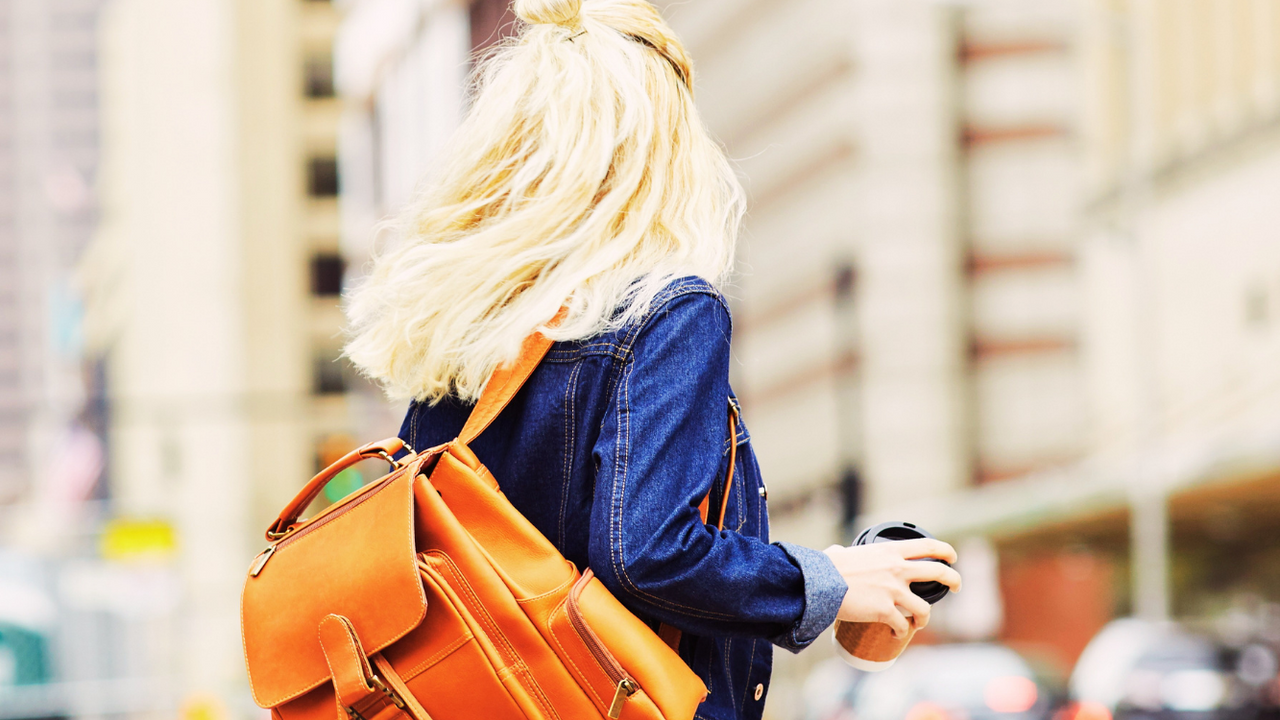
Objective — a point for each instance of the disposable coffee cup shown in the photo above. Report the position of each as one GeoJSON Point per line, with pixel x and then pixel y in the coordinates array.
{"type": "Point", "coordinates": [872, 646]}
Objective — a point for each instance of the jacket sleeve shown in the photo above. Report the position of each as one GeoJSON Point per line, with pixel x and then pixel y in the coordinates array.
{"type": "Point", "coordinates": [661, 447]}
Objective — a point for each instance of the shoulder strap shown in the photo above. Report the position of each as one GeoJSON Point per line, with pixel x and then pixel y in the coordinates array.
{"type": "Point", "coordinates": [704, 507]}
{"type": "Point", "coordinates": [506, 382]}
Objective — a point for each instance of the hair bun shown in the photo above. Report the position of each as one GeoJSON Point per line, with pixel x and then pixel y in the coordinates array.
{"type": "Point", "coordinates": [567, 13]}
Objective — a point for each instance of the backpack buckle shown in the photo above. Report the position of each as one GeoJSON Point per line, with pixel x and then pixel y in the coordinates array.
{"type": "Point", "coordinates": [391, 694]}
{"type": "Point", "coordinates": [388, 696]}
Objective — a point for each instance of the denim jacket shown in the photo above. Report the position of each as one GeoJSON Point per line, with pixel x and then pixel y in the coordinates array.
{"type": "Point", "coordinates": [608, 450]}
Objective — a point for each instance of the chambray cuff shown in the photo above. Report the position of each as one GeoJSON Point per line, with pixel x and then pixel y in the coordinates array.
{"type": "Point", "coordinates": [824, 591]}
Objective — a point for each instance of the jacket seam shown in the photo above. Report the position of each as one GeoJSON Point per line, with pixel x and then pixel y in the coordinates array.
{"type": "Point", "coordinates": [665, 298]}
{"type": "Point", "coordinates": [413, 425]}
{"type": "Point", "coordinates": [625, 346]}
{"type": "Point", "coordinates": [620, 561]}
{"type": "Point", "coordinates": [570, 354]}
{"type": "Point", "coordinates": [739, 490]}
{"type": "Point", "coordinates": [570, 444]}
{"type": "Point", "coordinates": [746, 688]}
{"type": "Point", "coordinates": [724, 662]}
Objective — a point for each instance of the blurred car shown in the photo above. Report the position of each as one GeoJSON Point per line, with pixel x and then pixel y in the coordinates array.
{"type": "Point", "coordinates": [968, 681]}
{"type": "Point", "coordinates": [1133, 670]}
{"type": "Point", "coordinates": [26, 616]}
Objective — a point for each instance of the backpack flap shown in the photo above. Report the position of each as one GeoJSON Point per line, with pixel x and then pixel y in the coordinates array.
{"type": "Point", "coordinates": [357, 560]}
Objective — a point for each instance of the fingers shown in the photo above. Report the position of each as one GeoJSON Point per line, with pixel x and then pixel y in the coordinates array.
{"type": "Point", "coordinates": [924, 548]}
{"type": "Point", "coordinates": [919, 609]}
{"type": "Point", "coordinates": [934, 572]}
{"type": "Point", "coordinates": [897, 621]}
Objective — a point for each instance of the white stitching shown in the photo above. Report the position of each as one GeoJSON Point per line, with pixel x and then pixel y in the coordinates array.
{"type": "Point", "coordinates": [570, 443]}
{"type": "Point", "coordinates": [620, 565]}
{"type": "Point", "coordinates": [499, 640]}
{"type": "Point", "coordinates": [556, 636]}
{"type": "Point", "coordinates": [422, 595]}
{"type": "Point", "coordinates": [333, 672]}
{"type": "Point", "coordinates": [746, 687]}
{"type": "Point", "coordinates": [439, 657]}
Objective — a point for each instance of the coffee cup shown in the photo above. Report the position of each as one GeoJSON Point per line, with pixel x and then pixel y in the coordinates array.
{"type": "Point", "coordinates": [872, 646]}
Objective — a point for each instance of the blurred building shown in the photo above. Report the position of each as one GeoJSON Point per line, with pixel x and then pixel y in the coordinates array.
{"type": "Point", "coordinates": [1011, 272]}
{"type": "Point", "coordinates": [213, 300]}
{"type": "Point", "coordinates": [50, 410]}
{"type": "Point", "coordinates": [401, 68]}
{"type": "Point", "coordinates": [48, 158]}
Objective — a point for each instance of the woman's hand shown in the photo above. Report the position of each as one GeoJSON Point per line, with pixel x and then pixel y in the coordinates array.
{"type": "Point", "coordinates": [879, 576]}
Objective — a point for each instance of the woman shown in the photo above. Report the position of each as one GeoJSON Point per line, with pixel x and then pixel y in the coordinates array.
{"type": "Point", "coordinates": [583, 178]}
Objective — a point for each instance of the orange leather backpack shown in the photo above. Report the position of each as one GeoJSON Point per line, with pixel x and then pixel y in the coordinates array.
{"type": "Point", "coordinates": [427, 596]}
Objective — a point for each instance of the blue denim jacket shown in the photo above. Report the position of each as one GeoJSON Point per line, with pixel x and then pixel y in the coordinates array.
{"type": "Point", "coordinates": [608, 450]}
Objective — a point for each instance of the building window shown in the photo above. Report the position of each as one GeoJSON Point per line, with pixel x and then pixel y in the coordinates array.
{"type": "Point", "coordinates": [327, 270]}
{"type": "Point", "coordinates": [322, 177]}
{"type": "Point", "coordinates": [319, 76]}
{"type": "Point", "coordinates": [330, 373]}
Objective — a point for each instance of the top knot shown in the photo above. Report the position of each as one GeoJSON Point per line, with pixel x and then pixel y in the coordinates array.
{"type": "Point", "coordinates": [566, 13]}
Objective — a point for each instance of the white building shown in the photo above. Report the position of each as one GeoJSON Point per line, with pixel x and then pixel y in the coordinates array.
{"type": "Point", "coordinates": [48, 159]}
{"type": "Point", "coordinates": [213, 288]}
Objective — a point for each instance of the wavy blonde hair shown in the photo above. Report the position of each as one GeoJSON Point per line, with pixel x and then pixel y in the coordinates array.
{"type": "Point", "coordinates": [582, 177]}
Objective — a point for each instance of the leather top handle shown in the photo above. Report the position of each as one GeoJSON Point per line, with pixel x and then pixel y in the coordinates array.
{"type": "Point", "coordinates": [385, 449]}
{"type": "Point", "coordinates": [502, 386]}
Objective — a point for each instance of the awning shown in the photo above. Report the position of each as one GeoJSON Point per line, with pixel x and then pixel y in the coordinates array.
{"type": "Point", "coordinates": [1102, 486]}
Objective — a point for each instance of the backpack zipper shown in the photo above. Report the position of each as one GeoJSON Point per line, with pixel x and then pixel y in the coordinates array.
{"type": "Point", "coordinates": [625, 687]}
{"type": "Point", "coordinates": [263, 557]}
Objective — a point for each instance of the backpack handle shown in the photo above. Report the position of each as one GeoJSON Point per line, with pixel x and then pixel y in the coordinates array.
{"type": "Point", "coordinates": [502, 386]}
{"type": "Point", "coordinates": [385, 449]}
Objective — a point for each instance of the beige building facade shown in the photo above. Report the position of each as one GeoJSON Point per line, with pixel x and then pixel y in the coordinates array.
{"type": "Point", "coordinates": [1059, 229]}
{"type": "Point", "coordinates": [213, 298]}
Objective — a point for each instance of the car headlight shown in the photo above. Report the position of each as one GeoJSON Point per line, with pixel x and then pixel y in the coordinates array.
{"type": "Point", "coordinates": [1010, 694]}
{"type": "Point", "coordinates": [1192, 690]}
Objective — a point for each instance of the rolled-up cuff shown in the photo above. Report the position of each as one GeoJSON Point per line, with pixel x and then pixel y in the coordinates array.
{"type": "Point", "coordinates": [824, 591]}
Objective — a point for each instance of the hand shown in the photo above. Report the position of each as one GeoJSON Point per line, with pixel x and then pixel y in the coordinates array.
{"type": "Point", "coordinates": [879, 576]}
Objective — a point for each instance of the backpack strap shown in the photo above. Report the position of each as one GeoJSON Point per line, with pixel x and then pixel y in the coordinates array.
{"type": "Point", "coordinates": [506, 381]}
{"type": "Point", "coordinates": [704, 507]}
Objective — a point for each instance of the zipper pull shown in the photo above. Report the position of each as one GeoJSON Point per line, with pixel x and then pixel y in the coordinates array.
{"type": "Point", "coordinates": [626, 688]}
{"type": "Point", "coordinates": [261, 562]}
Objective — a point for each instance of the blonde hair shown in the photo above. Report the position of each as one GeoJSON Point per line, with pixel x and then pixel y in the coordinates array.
{"type": "Point", "coordinates": [582, 177]}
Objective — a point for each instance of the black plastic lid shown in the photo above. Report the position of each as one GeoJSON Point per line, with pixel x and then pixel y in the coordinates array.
{"type": "Point", "coordinates": [932, 591]}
